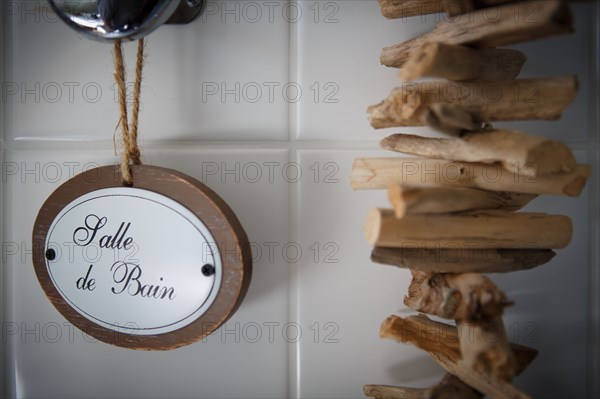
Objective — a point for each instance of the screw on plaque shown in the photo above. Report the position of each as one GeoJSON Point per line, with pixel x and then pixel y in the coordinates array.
{"type": "Point", "coordinates": [208, 270]}
{"type": "Point", "coordinates": [50, 254]}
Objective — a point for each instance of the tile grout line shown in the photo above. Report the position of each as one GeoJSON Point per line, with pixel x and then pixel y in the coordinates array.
{"type": "Point", "coordinates": [293, 387]}
{"type": "Point", "coordinates": [292, 145]}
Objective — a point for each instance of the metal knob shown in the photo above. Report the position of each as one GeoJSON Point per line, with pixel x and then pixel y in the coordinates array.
{"type": "Point", "coordinates": [108, 20]}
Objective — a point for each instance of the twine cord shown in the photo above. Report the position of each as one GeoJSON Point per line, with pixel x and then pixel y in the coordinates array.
{"type": "Point", "coordinates": [129, 132]}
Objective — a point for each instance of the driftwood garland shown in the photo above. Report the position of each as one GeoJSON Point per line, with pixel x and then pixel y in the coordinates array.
{"type": "Point", "coordinates": [485, 348]}
{"type": "Point", "coordinates": [507, 100]}
{"type": "Point", "coordinates": [483, 29]}
{"type": "Point", "coordinates": [456, 207]}
{"type": "Point", "coordinates": [415, 200]}
{"type": "Point", "coordinates": [518, 152]}
{"type": "Point", "coordinates": [491, 229]}
{"type": "Point", "coordinates": [450, 120]}
{"type": "Point", "coordinates": [441, 341]}
{"type": "Point", "coordinates": [468, 296]}
{"type": "Point", "coordinates": [433, 336]}
{"type": "Point", "coordinates": [411, 8]}
{"type": "Point", "coordinates": [379, 173]}
{"type": "Point", "coordinates": [462, 260]}
{"type": "Point", "coordinates": [450, 387]}
{"type": "Point", "coordinates": [455, 62]}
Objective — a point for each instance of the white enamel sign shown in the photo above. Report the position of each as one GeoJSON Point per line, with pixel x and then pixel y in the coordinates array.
{"type": "Point", "coordinates": [133, 261]}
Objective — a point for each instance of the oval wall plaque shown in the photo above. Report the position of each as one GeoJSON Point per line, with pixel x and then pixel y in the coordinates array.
{"type": "Point", "coordinates": [154, 266]}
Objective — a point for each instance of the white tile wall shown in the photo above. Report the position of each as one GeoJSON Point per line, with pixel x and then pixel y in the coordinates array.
{"type": "Point", "coordinates": [265, 102]}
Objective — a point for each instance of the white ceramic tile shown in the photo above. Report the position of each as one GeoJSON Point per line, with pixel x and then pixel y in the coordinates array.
{"type": "Point", "coordinates": [201, 81]}
{"type": "Point", "coordinates": [338, 67]}
{"type": "Point", "coordinates": [246, 357]}
{"type": "Point", "coordinates": [339, 285]}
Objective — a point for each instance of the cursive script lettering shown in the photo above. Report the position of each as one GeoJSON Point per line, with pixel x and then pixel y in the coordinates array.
{"type": "Point", "coordinates": [92, 224]}
{"type": "Point", "coordinates": [126, 277]}
{"type": "Point", "coordinates": [85, 235]}
{"type": "Point", "coordinates": [86, 282]}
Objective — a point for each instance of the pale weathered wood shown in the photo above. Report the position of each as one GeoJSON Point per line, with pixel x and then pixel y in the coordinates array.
{"type": "Point", "coordinates": [450, 387]}
{"type": "Point", "coordinates": [394, 392]}
{"type": "Point", "coordinates": [459, 63]}
{"type": "Point", "coordinates": [508, 100]}
{"type": "Point", "coordinates": [462, 260]}
{"type": "Point", "coordinates": [441, 342]}
{"type": "Point", "coordinates": [460, 7]}
{"type": "Point", "coordinates": [490, 229]}
{"type": "Point", "coordinates": [462, 296]}
{"type": "Point", "coordinates": [433, 336]}
{"type": "Point", "coordinates": [414, 200]}
{"type": "Point", "coordinates": [485, 348]}
{"type": "Point", "coordinates": [450, 120]}
{"type": "Point", "coordinates": [508, 24]}
{"type": "Point", "coordinates": [410, 8]}
{"type": "Point", "coordinates": [518, 152]}
{"type": "Point", "coordinates": [379, 173]}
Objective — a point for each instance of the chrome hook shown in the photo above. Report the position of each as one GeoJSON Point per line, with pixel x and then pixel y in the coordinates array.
{"type": "Point", "coordinates": [109, 20]}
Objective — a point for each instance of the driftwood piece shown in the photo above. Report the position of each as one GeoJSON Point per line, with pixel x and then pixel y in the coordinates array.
{"type": "Point", "coordinates": [482, 230]}
{"type": "Point", "coordinates": [433, 336]}
{"type": "Point", "coordinates": [462, 260]}
{"type": "Point", "coordinates": [463, 296]}
{"type": "Point", "coordinates": [459, 63]}
{"type": "Point", "coordinates": [509, 100]}
{"type": "Point", "coordinates": [441, 342]}
{"type": "Point", "coordinates": [460, 7]}
{"type": "Point", "coordinates": [485, 348]}
{"type": "Point", "coordinates": [520, 153]}
{"type": "Point", "coordinates": [450, 387]}
{"type": "Point", "coordinates": [379, 173]}
{"type": "Point", "coordinates": [450, 120]}
{"type": "Point", "coordinates": [410, 8]}
{"type": "Point", "coordinates": [394, 392]}
{"type": "Point", "coordinates": [508, 24]}
{"type": "Point", "coordinates": [414, 200]}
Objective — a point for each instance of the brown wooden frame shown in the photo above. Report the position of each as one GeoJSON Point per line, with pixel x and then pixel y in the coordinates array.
{"type": "Point", "coordinates": [218, 217]}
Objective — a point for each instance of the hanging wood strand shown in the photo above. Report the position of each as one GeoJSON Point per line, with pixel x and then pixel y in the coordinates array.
{"type": "Point", "coordinates": [455, 260]}
{"type": "Point", "coordinates": [450, 387]}
{"type": "Point", "coordinates": [485, 348]}
{"type": "Point", "coordinates": [378, 173]}
{"type": "Point", "coordinates": [433, 336]}
{"type": "Point", "coordinates": [442, 343]}
{"type": "Point", "coordinates": [485, 229]}
{"type": "Point", "coordinates": [417, 200]}
{"type": "Point", "coordinates": [478, 29]}
{"type": "Point", "coordinates": [393, 9]}
{"type": "Point", "coordinates": [518, 152]}
{"type": "Point", "coordinates": [507, 100]}
{"type": "Point", "coordinates": [459, 296]}
{"type": "Point", "coordinates": [458, 63]}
